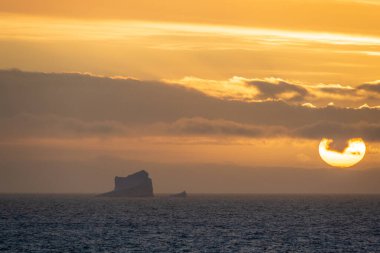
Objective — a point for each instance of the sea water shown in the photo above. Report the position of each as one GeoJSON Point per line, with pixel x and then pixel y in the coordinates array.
{"type": "Point", "coordinates": [199, 223]}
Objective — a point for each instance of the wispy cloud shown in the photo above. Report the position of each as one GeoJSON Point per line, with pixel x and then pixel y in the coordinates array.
{"type": "Point", "coordinates": [370, 2]}
{"type": "Point", "coordinates": [24, 27]}
{"type": "Point", "coordinates": [156, 50]}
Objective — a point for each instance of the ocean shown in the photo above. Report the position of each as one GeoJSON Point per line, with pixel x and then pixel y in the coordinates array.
{"type": "Point", "coordinates": [199, 223]}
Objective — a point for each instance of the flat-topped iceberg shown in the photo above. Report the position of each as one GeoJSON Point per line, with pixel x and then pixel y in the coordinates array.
{"type": "Point", "coordinates": [136, 185]}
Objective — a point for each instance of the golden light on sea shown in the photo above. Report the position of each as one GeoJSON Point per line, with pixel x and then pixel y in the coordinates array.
{"type": "Point", "coordinates": [351, 155]}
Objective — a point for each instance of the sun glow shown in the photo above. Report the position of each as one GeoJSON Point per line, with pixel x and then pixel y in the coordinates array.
{"type": "Point", "coordinates": [350, 156]}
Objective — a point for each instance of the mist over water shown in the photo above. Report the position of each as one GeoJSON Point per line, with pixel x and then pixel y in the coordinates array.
{"type": "Point", "coordinates": [200, 223]}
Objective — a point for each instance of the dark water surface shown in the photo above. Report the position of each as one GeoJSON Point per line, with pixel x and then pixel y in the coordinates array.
{"type": "Point", "coordinates": [219, 223]}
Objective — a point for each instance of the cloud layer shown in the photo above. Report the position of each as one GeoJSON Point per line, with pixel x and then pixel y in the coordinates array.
{"type": "Point", "coordinates": [61, 105]}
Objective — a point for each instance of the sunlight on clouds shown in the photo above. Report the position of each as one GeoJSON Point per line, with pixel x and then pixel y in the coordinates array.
{"type": "Point", "coordinates": [235, 88]}
{"type": "Point", "coordinates": [276, 89]}
{"type": "Point", "coordinates": [309, 105]}
{"type": "Point", "coordinates": [366, 106]}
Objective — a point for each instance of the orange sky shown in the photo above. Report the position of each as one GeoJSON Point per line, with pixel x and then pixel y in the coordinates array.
{"type": "Point", "coordinates": [272, 76]}
{"type": "Point", "coordinates": [343, 16]}
{"type": "Point", "coordinates": [311, 41]}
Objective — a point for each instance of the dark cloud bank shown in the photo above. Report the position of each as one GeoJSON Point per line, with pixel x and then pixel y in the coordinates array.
{"type": "Point", "coordinates": [50, 104]}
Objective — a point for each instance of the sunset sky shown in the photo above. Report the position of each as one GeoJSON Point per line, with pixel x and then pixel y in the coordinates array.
{"type": "Point", "coordinates": [208, 96]}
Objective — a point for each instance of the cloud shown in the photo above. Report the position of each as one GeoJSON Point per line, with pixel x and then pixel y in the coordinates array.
{"type": "Point", "coordinates": [29, 28]}
{"type": "Point", "coordinates": [34, 126]}
{"type": "Point", "coordinates": [337, 130]}
{"type": "Point", "coordinates": [201, 126]}
{"type": "Point", "coordinates": [309, 105]}
{"type": "Point", "coordinates": [276, 89]}
{"type": "Point", "coordinates": [370, 2]}
{"type": "Point", "coordinates": [366, 106]}
{"type": "Point", "coordinates": [61, 105]}
{"type": "Point", "coordinates": [279, 89]}
{"type": "Point", "coordinates": [30, 125]}
{"type": "Point", "coordinates": [335, 89]}
{"type": "Point", "coordinates": [250, 90]}
{"type": "Point", "coordinates": [334, 130]}
{"type": "Point", "coordinates": [372, 86]}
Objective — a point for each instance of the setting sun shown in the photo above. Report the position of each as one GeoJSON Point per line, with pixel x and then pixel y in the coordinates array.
{"type": "Point", "coordinates": [350, 156]}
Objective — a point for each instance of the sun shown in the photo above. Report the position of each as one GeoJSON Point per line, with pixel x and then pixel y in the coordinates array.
{"type": "Point", "coordinates": [351, 155]}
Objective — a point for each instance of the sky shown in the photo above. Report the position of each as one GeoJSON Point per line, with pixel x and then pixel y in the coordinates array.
{"type": "Point", "coordinates": [207, 96]}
